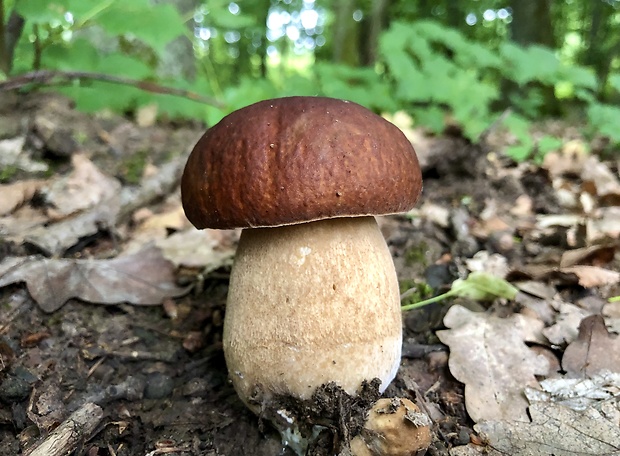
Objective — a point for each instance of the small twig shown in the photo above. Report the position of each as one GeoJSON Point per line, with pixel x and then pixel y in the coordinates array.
{"type": "Point", "coordinates": [49, 77]}
{"type": "Point", "coordinates": [482, 137]}
{"type": "Point", "coordinates": [168, 450]}
{"type": "Point", "coordinates": [71, 432]}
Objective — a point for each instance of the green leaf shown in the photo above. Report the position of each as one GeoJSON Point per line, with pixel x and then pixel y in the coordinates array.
{"type": "Point", "coordinates": [535, 63]}
{"type": "Point", "coordinates": [614, 81]}
{"type": "Point", "coordinates": [42, 11]}
{"type": "Point", "coordinates": [605, 120]}
{"type": "Point", "coordinates": [519, 153]}
{"type": "Point", "coordinates": [79, 54]}
{"type": "Point", "coordinates": [361, 85]}
{"type": "Point", "coordinates": [548, 143]}
{"type": "Point", "coordinates": [432, 117]}
{"type": "Point", "coordinates": [120, 64]}
{"type": "Point", "coordinates": [155, 25]}
{"type": "Point", "coordinates": [482, 286]}
{"type": "Point", "coordinates": [479, 286]}
{"type": "Point", "coordinates": [93, 96]}
{"type": "Point", "coordinates": [578, 76]}
{"type": "Point", "coordinates": [520, 127]}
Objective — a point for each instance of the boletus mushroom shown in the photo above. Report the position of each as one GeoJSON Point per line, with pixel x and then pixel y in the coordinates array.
{"type": "Point", "coordinates": [313, 294]}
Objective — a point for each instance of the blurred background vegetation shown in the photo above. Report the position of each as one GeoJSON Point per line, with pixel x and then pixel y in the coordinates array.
{"type": "Point", "coordinates": [457, 63]}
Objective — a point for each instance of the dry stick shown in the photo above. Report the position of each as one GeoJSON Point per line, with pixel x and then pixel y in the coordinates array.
{"type": "Point", "coordinates": [48, 77]}
{"type": "Point", "coordinates": [71, 432]}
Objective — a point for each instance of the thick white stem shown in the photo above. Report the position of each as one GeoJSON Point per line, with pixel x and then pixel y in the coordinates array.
{"type": "Point", "coordinates": [310, 304]}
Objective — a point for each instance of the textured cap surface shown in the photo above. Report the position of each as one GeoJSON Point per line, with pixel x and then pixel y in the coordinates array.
{"type": "Point", "coordinates": [298, 159]}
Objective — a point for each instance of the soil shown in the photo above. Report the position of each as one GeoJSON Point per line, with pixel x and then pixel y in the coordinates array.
{"type": "Point", "coordinates": [161, 378]}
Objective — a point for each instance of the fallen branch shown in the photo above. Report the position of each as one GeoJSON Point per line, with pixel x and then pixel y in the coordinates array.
{"type": "Point", "coordinates": [48, 77]}
{"type": "Point", "coordinates": [71, 432]}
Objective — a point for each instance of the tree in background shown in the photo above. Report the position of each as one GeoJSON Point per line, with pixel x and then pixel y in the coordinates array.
{"type": "Point", "coordinates": [466, 61]}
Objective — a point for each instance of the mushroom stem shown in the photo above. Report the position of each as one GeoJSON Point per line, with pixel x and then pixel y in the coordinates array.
{"type": "Point", "coordinates": [309, 304]}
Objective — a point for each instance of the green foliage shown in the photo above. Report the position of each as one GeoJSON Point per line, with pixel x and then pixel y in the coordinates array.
{"type": "Point", "coordinates": [478, 286]}
{"type": "Point", "coordinates": [361, 85]}
{"type": "Point", "coordinates": [605, 119]}
{"type": "Point", "coordinates": [528, 147]}
{"type": "Point", "coordinates": [108, 37]}
{"type": "Point", "coordinates": [431, 69]}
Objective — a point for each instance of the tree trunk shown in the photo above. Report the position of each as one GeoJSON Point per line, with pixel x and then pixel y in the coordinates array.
{"type": "Point", "coordinates": [373, 25]}
{"type": "Point", "coordinates": [600, 50]}
{"type": "Point", "coordinates": [345, 47]}
{"type": "Point", "coordinates": [532, 24]}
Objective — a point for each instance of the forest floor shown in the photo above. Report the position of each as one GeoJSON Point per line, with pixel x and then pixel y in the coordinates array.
{"type": "Point", "coordinates": [109, 296]}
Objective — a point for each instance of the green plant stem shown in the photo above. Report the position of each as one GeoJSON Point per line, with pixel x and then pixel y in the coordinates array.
{"type": "Point", "coordinates": [428, 301]}
{"type": "Point", "coordinates": [614, 299]}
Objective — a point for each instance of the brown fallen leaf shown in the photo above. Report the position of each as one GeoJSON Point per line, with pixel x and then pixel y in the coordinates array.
{"type": "Point", "coordinates": [205, 249]}
{"type": "Point", "coordinates": [85, 187]}
{"type": "Point", "coordinates": [143, 278]}
{"type": "Point", "coordinates": [604, 181]}
{"type": "Point", "coordinates": [569, 160]}
{"type": "Point", "coordinates": [594, 350]}
{"type": "Point", "coordinates": [594, 255]}
{"type": "Point", "coordinates": [490, 356]}
{"type": "Point", "coordinates": [605, 226]}
{"type": "Point", "coordinates": [56, 238]}
{"type": "Point", "coordinates": [17, 193]}
{"type": "Point", "coordinates": [593, 276]}
{"type": "Point", "coordinates": [566, 321]}
{"type": "Point", "coordinates": [586, 276]}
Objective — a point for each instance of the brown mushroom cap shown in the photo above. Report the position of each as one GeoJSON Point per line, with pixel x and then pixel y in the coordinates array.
{"type": "Point", "coordinates": [298, 159]}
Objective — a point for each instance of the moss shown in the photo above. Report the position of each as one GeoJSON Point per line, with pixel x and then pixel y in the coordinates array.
{"type": "Point", "coordinates": [132, 168]}
{"type": "Point", "coordinates": [417, 255]}
{"type": "Point", "coordinates": [7, 173]}
{"type": "Point", "coordinates": [419, 291]}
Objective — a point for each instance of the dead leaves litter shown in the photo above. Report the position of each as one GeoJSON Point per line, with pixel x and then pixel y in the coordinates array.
{"type": "Point", "coordinates": [143, 278]}
{"type": "Point", "coordinates": [489, 355]}
{"type": "Point", "coordinates": [555, 430]}
{"type": "Point", "coordinates": [594, 350]}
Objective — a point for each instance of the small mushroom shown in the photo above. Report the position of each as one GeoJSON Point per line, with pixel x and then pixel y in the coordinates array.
{"type": "Point", "coordinates": [394, 427]}
{"type": "Point", "coordinates": [313, 294]}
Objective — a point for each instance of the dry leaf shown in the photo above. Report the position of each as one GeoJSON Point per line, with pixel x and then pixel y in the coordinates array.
{"type": "Point", "coordinates": [565, 329]}
{"type": "Point", "coordinates": [555, 430]}
{"type": "Point", "coordinates": [143, 278]}
{"type": "Point", "coordinates": [56, 238]}
{"type": "Point", "coordinates": [595, 255]}
{"type": "Point", "coordinates": [155, 227]}
{"type": "Point", "coordinates": [577, 394]}
{"type": "Point", "coordinates": [605, 226]}
{"type": "Point", "coordinates": [569, 160]}
{"type": "Point", "coordinates": [594, 350]}
{"type": "Point", "coordinates": [147, 115]}
{"type": "Point", "coordinates": [204, 249]}
{"type": "Point", "coordinates": [611, 312]}
{"type": "Point", "coordinates": [84, 188]}
{"type": "Point", "coordinates": [489, 355]}
{"type": "Point", "coordinates": [586, 276]}
{"type": "Point", "coordinates": [16, 194]}
{"type": "Point", "coordinates": [593, 276]}
{"type": "Point", "coordinates": [602, 178]}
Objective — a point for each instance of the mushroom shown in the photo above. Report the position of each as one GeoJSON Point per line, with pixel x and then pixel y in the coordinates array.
{"type": "Point", "coordinates": [313, 295]}
{"type": "Point", "coordinates": [394, 427]}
